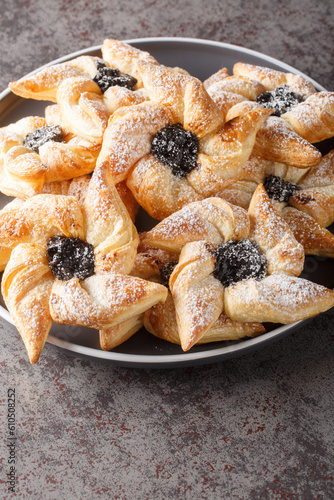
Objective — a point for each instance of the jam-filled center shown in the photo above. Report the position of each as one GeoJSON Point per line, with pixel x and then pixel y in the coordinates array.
{"type": "Point", "coordinates": [281, 100]}
{"type": "Point", "coordinates": [35, 139]}
{"type": "Point", "coordinates": [279, 189]}
{"type": "Point", "coordinates": [239, 261]}
{"type": "Point", "coordinates": [166, 271]}
{"type": "Point", "coordinates": [110, 77]}
{"type": "Point", "coordinates": [70, 258]}
{"type": "Point", "coordinates": [177, 148]}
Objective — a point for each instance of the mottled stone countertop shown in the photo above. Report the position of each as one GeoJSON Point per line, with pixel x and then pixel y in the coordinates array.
{"type": "Point", "coordinates": [255, 427]}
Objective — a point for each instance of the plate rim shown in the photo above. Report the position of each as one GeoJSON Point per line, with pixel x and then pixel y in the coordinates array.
{"type": "Point", "coordinates": [188, 358]}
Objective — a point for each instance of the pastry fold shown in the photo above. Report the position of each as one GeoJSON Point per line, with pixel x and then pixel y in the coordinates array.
{"type": "Point", "coordinates": [26, 288]}
{"type": "Point", "coordinates": [277, 295]}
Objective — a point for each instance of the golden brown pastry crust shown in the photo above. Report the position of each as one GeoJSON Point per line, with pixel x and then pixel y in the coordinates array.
{"type": "Point", "coordinates": [84, 108]}
{"type": "Point", "coordinates": [161, 321]}
{"type": "Point", "coordinates": [313, 119]}
{"type": "Point", "coordinates": [184, 94]}
{"type": "Point", "coordinates": [103, 300]}
{"type": "Point", "coordinates": [277, 141]}
{"type": "Point", "coordinates": [24, 172]}
{"type": "Point", "coordinates": [278, 298]}
{"type": "Point", "coordinates": [315, 239]}
{"type": "Point", "coordinates": [149, 260]}
{"type": "Point", "coordinates": [213, 220]}
{"type": "Point", "coordinates": [116, 335]}
{"type": "Point", "coordinates": [39, 218]}
{"type": "Point", "coordinates": [108, 226]}
{"type": "Point", "coordinates": [271, 78]}
{"type": "Point", "coordinates": [124, 57]}
{"type": "Point", "coordinates": [316, 196]}
{"type": "Point", "coordinates": [276, 240]}
{"type": "Point", "coordinates": [200, 298]}
{"type": "Point", "coordinates": [313, 201]}
{"type": "Point", "coordinates": [26, 287]}
{"type": "Point", "coordinates": [43, 85]}
{"type": "Point", "coordinates": [216, 77]}
{"type": "Point", "coordinates": [247, 88]}
{"type": "Point", "coordinates": [106, 299]}
{"type": "Point", "coordinates": [223, 149]}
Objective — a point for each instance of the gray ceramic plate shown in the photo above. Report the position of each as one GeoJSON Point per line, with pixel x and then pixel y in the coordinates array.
{"type": "Point", "coordinates": [201, 58]}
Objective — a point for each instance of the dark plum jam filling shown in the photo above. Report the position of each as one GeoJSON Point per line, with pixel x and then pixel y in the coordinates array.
{"type": "Point", "coordinates": [239, 261]}
{"type": "Point", "coordinates": [110, 77]}
{"type": "Point", "coordinates": [70, 258]}
{"type": "Point", "coordinates": [35, 139]}
{"type": "Point", "coordinates": [278, 189]}
{"type": "Point", "coordinates": [281, 100]}
{"type": "Point", "coordinates": [165, 272]}
{"type": "Point", "coordinates": [177, 148]}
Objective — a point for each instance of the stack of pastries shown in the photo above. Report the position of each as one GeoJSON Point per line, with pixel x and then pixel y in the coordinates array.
{"type": "Point", "coordinates": [229, 169]}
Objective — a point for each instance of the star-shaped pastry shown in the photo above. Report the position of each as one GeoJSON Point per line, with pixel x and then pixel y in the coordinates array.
{"type": "Point", "coordinates": [88, 89]}
{"type": "Point", "coordinates": [245, 265]}
{"type": "Point", "coordinates": [301, 114]}
{"type": "Point", "coordinates": [176, 148]}
{"type": "Point", "coordinates": [36, 150]}
{"type": "Point", "coordinates": [69, 263]}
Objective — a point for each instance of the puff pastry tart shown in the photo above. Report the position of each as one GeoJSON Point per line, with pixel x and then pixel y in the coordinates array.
{"type": "Point", "coordinates": [310, 113]}
{"type": "Point", "coordinates": [87, 90]}
{"type": "Point", "coordinates": [69, 264]}
{"type": "Point", "coordinates": [305, 202]}
{"type": "Point", "coordinates": [34, 151]}
{"type": "Point", "coordinates": [302, 197]}
{"type": "Point", "coordinates": [160, 320]}
{"type": "Point", "coordinates": [252, 87]}
{"type": "Point", "coordinates": [175, 148]}
{"type": "Point", "coordinates": [252, 279]}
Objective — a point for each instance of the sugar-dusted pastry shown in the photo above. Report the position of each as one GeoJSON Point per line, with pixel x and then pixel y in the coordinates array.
{"type": "Point", "coordinates": [251, 279]}
{"type": "Point", "coordinates": [213, 219]}
{"type": "Point", "coordinates": [313, 119]}
{"type": "Point", "coordinates": [147, 266]}
{"type": "Point", "coordinates": [216, 77]}
{"type": "Point", "coordinates": [151, 260]}
{"type": "Point", "coordinates": [87, 90]}
{"type": "Point", "coordinates": [124, 56]}
{"type": "Point", "coordinates": [69, 264]}
{"type": "Point", "coordinates": [175, 148]}
{"type": "Point", "coordinates": [43, 84]}
{"type": "Point", "coordinates": [160, 320]}
{"type": "Point", "coordinates": [78, 187]}
{"type": "Point", "coordinates": [156, 265]}
{"type": "Point", "coordinates": [272, 79]}
{"type": "Point", "coordinates": [34, 152]}
{"type": "Point", "coordinates": [310, 113]}
{"type": "Point", "coordinates": [313, 194]}
{"type": "Point", "coordinates": [303, 197]}
{"type": "Point", "coordinates": [277, 139]}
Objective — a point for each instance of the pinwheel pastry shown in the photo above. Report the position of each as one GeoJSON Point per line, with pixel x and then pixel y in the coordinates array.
{"type": "Point", "coordinates": [175, 148]}
{"type": "Point", "coordinates": [303, 197]}
{"type": "Point", "coordinates": [36, 150]}
{"type": "Point", "coordinates": [69, 264]}
{"type": "Point", "coordinates": [310, 113]}
{"type": "Point", "coordinates": [279, 139]}
{"type": "Point", "coordinates": [157, 265]}
{"type": "Point", "coordinates": [88, 89]}
{"type": "Point", "coordinates": [245, 265]}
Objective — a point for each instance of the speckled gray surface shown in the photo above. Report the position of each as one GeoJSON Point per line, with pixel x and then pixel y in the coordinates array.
{"type": "Point", "coordinates": [256, 427]}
